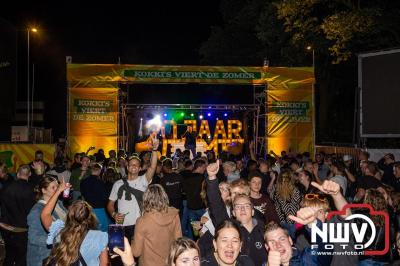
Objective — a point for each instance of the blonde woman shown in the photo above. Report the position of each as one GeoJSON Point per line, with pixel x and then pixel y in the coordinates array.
{"type": "Point", "coordinates": [286, 196]}
{"type": "Point", "coordinates": [156, 229]}
{"type": "Point", "coordinates": [76, 240]}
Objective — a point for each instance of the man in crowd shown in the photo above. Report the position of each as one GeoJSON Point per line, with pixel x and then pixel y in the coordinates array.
{"type": "Point", "coordinates": [17, 200]}
{"type": "Point", "coordinates": [78, 175]}
{"type": "Point", "coordinates": [38, 168]}
{"type": "Point", "coordinates": [128, 192]}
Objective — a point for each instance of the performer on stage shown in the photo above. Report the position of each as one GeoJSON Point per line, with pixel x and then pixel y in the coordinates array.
{"type": "Point", "coordinates": [190, 140]}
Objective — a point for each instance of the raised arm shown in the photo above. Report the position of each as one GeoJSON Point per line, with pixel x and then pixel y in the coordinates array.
{"type": "Point", "coordinates": [152, 169]}
{"type": "Point", "coordinates": [45, 216]}
{"type": "Point", "coordinates": [217, 208]}
{"type": "Point", "coordinates": [332, 188]}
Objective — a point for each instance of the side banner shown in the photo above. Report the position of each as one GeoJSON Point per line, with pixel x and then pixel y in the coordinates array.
{"type": "Point", "coordinates": [290, 116]}
{"type": "Point", "coordinates": [92, 119]}
{"type": "Point", "coordinates": [14, 155]}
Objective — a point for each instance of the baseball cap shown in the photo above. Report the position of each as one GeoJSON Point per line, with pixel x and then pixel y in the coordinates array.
{"type": "Point", "coordinates": [347, 158]}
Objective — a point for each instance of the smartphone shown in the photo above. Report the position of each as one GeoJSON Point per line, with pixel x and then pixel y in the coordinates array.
{"type": "Point", "coordinates": [116, 235]}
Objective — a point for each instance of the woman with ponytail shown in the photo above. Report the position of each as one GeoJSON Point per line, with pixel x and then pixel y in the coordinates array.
{"type": "Point", "coordinates": [37, 235]}
{"type": "Point", "coordinates": [76, 241]}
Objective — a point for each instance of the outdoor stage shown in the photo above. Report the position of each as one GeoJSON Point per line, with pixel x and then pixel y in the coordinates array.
{"type": "Point", "coordinates": [280, 117]}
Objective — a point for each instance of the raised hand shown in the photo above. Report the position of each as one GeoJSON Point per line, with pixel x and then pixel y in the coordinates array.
{"type": "Point", "coordinates": [274, 258]}
{"type": "Point", "coordinates": [304, 216]}
{"type": "Point", "coordinates": [126, 255]}
{"type": "Point", "coordinates": [327, 187]}
{"type": "Point", "coordinates": [63, 186]}
{"type": "Point", "coordinates": [155, 143]}
{"type": "Point", "coordinates": [212, 170]}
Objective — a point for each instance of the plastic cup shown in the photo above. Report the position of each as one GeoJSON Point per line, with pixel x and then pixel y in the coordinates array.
{"type": "Point", "coordinates": [122, 220]}
{"type": "Point", "coordinates": [195, 226]}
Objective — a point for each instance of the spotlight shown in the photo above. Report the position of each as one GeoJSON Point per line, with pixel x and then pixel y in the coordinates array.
{"type": "Point", "coordinates": [191, 114]}
{"type": "Point", "coordinates": [141, 119]}
{"type": "Point", "coordinates": [201, 116]}
{"type": "Point", "coordinates": [182, 114]}
{"type": "Point", "coordinates": [217, 118]}
{"type": "Point", "coordinates": [154, 124]}
{"type": "Point", "coordinates": [165, 114]}
{"type": "Point", "coordinates": [208, 114]}
{"type": "Point", "coordinates": [225, 114]}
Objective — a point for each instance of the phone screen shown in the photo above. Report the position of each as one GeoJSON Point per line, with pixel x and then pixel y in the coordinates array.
{"type": "Point", "coordinates": [115, 237]}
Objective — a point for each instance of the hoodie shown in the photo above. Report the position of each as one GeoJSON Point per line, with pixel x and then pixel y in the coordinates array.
{"type": "Point", "coordinates": [154, 234]}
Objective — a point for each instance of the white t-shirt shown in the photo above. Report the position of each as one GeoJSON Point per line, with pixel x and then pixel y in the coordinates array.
{"type": "Point", "coordinates": [130, 207]}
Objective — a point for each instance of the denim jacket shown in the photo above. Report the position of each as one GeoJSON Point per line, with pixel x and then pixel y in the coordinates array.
{"type": "Point", "coordinates": [37, 235]}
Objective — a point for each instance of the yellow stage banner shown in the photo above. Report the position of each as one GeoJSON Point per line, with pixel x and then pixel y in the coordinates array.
{"type": "Point", "coordinates": [14, 155]}
{"type": "Point", "coordinates": [290, 118]}
{"type": "Point", "coordinates": [92, 119]}
{"type": "Point", "coordinates": [85, 74]}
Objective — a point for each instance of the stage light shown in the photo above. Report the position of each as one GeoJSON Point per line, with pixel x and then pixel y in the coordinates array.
{"type": "Point", "coordinates": [165, 114]}
{"type": "Point", "coordinates": [141, 119]}
{"type": "Point", "coordinates": [191, 114]}
{"type": "Point", "coordinates": [225, 114]}
{"type": "Point", "coordinates": [182, 114]}
{"type": "Point", "coordinates": [154, 124]}
{"type": "Point", "coordinates": [201, 116]}
{"type": "Point", "coordinates": [208, 114]}
{"type": "Point", "coordinates": [217, 118]}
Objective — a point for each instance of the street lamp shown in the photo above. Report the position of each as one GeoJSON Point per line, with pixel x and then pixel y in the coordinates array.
{"type": "Point", "coordinates": [310, 48]}
{"type": "Point", "coordinates": [28, 77]}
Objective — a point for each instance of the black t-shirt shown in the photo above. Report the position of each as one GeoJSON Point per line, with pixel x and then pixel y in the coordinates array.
{"type": "Point", "coordinates": [94, 191]}
{"type": "Point", "coordinates": [16, 202]}
{"type": "Point", "coordinates": [367, 182]}
{"type": "Point", "coordinates": [192, 187]}
{"type": "Point", "coordinates": [190, 138]}
{"type": "Point", "coordinates": [266, 178]}
{"type": "Point", "coordinates": [172, 184]}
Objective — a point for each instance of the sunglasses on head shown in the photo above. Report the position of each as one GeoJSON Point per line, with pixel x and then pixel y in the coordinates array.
{"type": "Point", "coordinates": [319, 197]}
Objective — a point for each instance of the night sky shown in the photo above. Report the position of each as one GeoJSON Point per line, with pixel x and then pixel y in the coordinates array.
{"type": "Point", "coordinates": [145, 32]}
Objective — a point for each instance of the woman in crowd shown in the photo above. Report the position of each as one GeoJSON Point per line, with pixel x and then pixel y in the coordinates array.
{"type": "Point", "coordinates": [77, 239]}
{"type": "Point", "coordinates": [251, 230]}
{"type": "Point", "coordinates": [184, 251]}
{"type": "Point", "coordinates": [227, 246]}
{"type": "Point", "coordinates": [377, 200]}
{"type": "Point", "coordinates": [208, 228]}
{"type": "Point", "coordinates": [158, 227]}
{"type": "Point", "coordinates": [305, 178]}
{"type": "Point", "coordinates": [37, 247]}
{"type": "Point", "coordinates": [230, 171]}
{"type": "Point", "coordinates": [286, 196]}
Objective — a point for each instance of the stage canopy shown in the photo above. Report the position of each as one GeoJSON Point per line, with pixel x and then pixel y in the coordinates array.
{"type": "Point", "coordinates": [94, 111]}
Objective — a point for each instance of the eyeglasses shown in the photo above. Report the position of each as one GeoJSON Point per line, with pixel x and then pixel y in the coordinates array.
{"type": "Point", "coordinates": [319, 197]}
{"type": "Point", "coordinates": [246, 206]}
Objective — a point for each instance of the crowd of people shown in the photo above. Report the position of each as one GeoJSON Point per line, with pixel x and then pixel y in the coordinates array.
{"type": "Point", "coordinates": [197, 209]}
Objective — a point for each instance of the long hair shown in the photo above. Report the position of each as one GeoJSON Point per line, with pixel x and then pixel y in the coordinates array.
{"type": "Point", "coordinates": [155, 199]}
{"type": "Point", "coordinates": [80, 219]}
{"type": "Point", "coordinates": [179, 246]}
{"type": "Point", "coordinates": [376, 199]}
{"type": "Point", "coordinates": [285, 186]}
